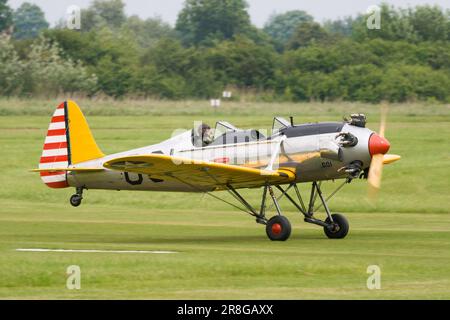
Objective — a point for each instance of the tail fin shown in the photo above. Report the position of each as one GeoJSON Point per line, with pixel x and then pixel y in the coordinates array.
{"type": "Point", "coordinates": [69, 141]}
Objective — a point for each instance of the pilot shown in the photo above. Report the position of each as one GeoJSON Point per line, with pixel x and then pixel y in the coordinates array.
{"type": "Point", "coordinates": [204, 133]}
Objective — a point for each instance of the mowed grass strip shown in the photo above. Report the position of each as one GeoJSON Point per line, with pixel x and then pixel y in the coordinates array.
{"type": "Point", "coordinates": [223, 254]}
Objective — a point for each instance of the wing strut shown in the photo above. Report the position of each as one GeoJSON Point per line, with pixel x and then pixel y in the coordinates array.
{"type": "Point", "coordinates": [251, 211]}
{"type": "Point", "coordinates": [209, 194]}
{"type": "Point", "coordinates": [260, 216]}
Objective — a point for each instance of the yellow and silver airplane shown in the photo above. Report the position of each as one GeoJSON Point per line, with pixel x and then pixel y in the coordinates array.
{"type": "Point", "coordinates": [226, 158]}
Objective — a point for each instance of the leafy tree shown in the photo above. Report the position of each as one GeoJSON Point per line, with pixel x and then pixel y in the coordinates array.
{"type": "Point", "coordinates": [409, 59]}
{"type": "Point", "coordinates": [258, 36]}
{"type": "Point", "coordinates": [29, 21]}
{"type": "Point", "coordinates": [113, 56]}
{"type": "Point", "coordinates": [315, 86]}
{"type": "Point", "coordinates": [447, 13]}
{"type": "Point", "coordinates": [49, 73]}
{"type": "Point", "coordinates": [103, 13]}
{"type": "Point", "coordinates": [5, 15]}
{"type": "Point", "coordinates": [168, 56]}
{"type": "Point", "coordinates": [43, 72]}
{"type": "Point", "coordinates": [203, 21]}
{"type": "Point", "coordinates": [312, 58]}
{"type": "Point", "coordinates": [281, 27]}
{"type": "Point", "coordinates": [430, 23]}
{"type": "Point", "coordinates": [113, 79]}
{"type": "Point", "coordinates": [11, 69]}
{"type": "Point", "coordinates": [405, 83]}
{"type": "Point", "coordinates": [342, 27]}
{"type": "Point", "coordinates": [403, 52]}
{"type": "Point", "coordinates": [326, 59]}
{"type": "Point", "coordinates": [148, 82]}
{"type": "Point", "coordinates": [360, 82]}
{"type": "Point", "coordinates": [172, 71]}
{"type": "Point", "coordinates": [75, 45]}
{"type": "Point", "coordinates": [413, 25]}
{"type": "Point", "coordinates": [306, 34]}
{"type": "Point", "coordinates": [434, 54]}
{"type": "Point", "coordinates": [243, 63]}
{"type": "Point", "coordinates": [148, 32]}
{"type": "Point", "coordinates": [115, 61]}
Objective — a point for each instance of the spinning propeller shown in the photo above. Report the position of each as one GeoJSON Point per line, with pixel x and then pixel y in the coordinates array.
{"type": "Point", "coordinates": [378, 147]}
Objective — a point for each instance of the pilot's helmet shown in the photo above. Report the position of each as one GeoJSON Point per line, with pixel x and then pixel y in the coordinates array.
{"type": "Point", "coordinates": [203, 129]}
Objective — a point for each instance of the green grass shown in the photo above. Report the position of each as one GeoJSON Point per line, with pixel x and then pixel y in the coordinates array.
{"type": "Point", "coordinates": [222, 253]}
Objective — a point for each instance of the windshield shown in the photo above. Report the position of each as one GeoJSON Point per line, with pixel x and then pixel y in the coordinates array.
{"type": "Point", "coordinates": [223, 127]}
{"type": "Point", "coordinates": [279, 123]}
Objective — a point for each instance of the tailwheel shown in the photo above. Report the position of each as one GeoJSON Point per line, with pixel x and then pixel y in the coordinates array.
{"type": "Point", "coordinates": [338, 229]}
{"type": "Point", "coordinates": [278, 228]}
{"type": "Point", "coordinates": [75, 200]}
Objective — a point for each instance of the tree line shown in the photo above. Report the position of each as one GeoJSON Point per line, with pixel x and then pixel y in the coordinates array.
{"type": "Point", "coordinates": [214, 46]}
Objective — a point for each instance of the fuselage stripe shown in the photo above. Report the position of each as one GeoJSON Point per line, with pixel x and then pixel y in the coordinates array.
{"type": "Point", "coordinates": [56, 178]}
{"type": "Point", "coordinates": [57, 185]}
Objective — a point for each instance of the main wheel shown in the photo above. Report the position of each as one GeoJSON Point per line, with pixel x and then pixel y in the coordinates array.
{"type": "Point", "coordinates": [75, 200]}
{"type": "Point", "coordinates": [278, 228]}
{"type": "Point", "coordinates": [339, 229]}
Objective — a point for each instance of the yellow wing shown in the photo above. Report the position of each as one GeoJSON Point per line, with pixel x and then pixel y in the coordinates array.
{"type": "Point", "coordinates": [200, 174]}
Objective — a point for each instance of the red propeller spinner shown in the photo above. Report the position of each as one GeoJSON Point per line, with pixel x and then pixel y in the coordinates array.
{"type": "Point", "coordinates": [378, 145]}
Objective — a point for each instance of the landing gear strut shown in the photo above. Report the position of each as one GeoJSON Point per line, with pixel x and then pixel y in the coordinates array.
{"type": "Point", "coordinates": [335, 226]}
{"type": "Point", "coordinates": [278, 228]}
{"type": "Point", "coordinates": [75, 200]}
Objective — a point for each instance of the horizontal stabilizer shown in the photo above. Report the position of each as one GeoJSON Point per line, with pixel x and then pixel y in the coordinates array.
{"type": "Point", "coordinates": [69, 170]}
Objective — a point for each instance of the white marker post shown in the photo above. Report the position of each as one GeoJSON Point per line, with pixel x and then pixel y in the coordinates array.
{"type": "Point", "coordinates": [227, 94]}
{"type": "Point", "coordinates": [215, 103]}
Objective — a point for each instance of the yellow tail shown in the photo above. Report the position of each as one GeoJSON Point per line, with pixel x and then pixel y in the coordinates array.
{"type": "Point", "coordinates": [68, 141]}
{"type": "Point", "coordinates": [81, 143]}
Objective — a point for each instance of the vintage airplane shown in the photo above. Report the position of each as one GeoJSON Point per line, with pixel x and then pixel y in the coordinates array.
{"type": "Point", "coordinates": [231, 159]}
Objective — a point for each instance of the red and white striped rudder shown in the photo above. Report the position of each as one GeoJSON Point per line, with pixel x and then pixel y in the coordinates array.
{"type": "Point", "coordinates": [56, 152]}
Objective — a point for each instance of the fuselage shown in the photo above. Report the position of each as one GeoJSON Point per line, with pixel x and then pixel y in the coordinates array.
{"type": "Point", "coordinates": [313, 151]}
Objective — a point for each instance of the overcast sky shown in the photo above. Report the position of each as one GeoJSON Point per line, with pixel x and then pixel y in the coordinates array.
{"type": "Point", "coordinates": [260, 10]}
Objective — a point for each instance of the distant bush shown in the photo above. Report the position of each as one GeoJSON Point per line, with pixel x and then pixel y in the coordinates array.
{"type": "Point", "coordinates": [11, 69]}
{"type": "Point", "coordinates": [48, 73]}
{"type": "Point", "coordinates": [406, 83]}
{"type": "Point", "coordinates": [214, 47]}
{"type": "Point", "coordinates": [44, 72]}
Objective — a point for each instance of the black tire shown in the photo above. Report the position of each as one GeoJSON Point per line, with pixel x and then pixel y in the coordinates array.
{"type": "Point", "coordinates": [278, 228]}
{"type": "Point", "coordinates": [340, 229]}
{"type": "Point", "coordinates": [75, 200]}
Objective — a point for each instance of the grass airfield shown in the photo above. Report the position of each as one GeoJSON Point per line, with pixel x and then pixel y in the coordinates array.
{"type": "Point", "coordinates": [221, 252]}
